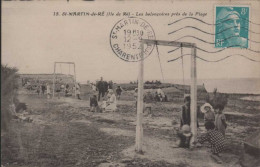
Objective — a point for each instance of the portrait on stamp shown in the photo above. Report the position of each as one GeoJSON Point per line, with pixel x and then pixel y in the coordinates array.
{"type": "Point", "coordinates": [232, 25]}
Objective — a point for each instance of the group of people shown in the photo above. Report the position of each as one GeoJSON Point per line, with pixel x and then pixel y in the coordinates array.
{"type": "Point", "coordinates": [214, 122]}
{"type": "Point", "coordinates": [102, 87]}
{"type": "Point", "coordinates": [160, 95]}
{"type": "Point", "coordinates": [106, 96]}
{"type": "Point", "coordinates": [108, 103]}
{"type": "Point", "coordinates": [42, 87]}
{"type": "Point", "coordinates": [60, 87]}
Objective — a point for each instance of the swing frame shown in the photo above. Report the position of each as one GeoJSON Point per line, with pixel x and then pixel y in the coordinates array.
{"type": "Point", "coordinates": [193, 89]}
{"type": "Point", "coordinates": [54, 74]}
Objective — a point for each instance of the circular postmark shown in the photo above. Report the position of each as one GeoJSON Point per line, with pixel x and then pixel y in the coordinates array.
{"type": "Point", "coordinates": [126, 36]}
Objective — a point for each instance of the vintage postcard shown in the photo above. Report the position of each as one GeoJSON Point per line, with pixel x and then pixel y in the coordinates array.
{"type": "Point", "coordinates": [130, 83]}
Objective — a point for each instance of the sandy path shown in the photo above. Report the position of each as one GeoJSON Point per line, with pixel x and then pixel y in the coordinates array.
{"type": "Point", "coordinates": [155, 149]}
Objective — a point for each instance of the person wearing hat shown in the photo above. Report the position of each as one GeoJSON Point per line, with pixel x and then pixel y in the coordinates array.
{"type": "Point", "coordinates": [111, 102]}
{"type": "Point", "coordinates": [228, 26]}
{"type": "Point", "coordinates": [185, 136]}
{"type": "Point", "coordinates": [208, 112]}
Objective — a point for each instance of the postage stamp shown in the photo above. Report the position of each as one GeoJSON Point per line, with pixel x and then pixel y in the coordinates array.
{"type": "Point", "coordinates": [231, 26]}
{"type": "Point", "coordinates": [125, 38]}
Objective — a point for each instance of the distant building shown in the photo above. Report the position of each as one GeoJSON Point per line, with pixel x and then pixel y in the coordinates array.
{"type": "Point", "coordinates": [34, 78]}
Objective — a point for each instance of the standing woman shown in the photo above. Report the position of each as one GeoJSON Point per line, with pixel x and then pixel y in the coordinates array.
{"type": "Point", "coordinates": [48, 90]}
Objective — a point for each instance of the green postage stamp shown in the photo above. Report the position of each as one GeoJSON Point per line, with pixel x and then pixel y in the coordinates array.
{"type": "Point", "coordinates": [232, 26]}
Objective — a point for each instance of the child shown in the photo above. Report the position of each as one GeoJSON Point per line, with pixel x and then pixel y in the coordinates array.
{"type": "Point", "coordinates": [185, 136]}
{"type": "Point", "coordinates": [118, 92]}
{"type": "Point", "coordinates": [215, 138]}
{"type": "Point", "coordinates": [38, 89]}
{"type": "Point", "coordinates": [78, 91]}
{"type": "Point", "coordinates": [208, 111]}
{"type": "Point", "coordinates": [93, 103]}
{"type": "Point", "coordinates": [220, 120]}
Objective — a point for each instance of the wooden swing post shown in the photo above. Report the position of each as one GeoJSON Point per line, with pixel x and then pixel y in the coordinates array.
{"type": "Point", "coordinates": [193, 90]}
{"type": "Point", "coordinates": [54, 74]}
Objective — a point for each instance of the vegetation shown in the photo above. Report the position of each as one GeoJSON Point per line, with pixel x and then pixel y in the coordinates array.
{"type": "Point", "coordinates": [9, 87]}
{"type": "Point", "coordinates": [153, 82]}
{"type": "Point", "coordinates": [217, 99]}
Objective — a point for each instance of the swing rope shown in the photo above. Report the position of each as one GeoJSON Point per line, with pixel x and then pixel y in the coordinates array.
{"type": "Point", "coordinates": [159, 61]}
{"type": "Point", "coordinates": [183, 81]}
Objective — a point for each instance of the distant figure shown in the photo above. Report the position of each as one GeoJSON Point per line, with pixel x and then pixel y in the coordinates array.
{"type": "Point", "coordinates": [93, 103]}
{"type": "Point", "coordinates": [28, 85]}
{"type": "Point", "coordinates": [102, 88]}
{"type": "Point", "coordinates": [78, 91]}
{"type": "Point", "coordinates": [106, 87]}
{"type": "Point", "coordinates": [160, 94]}
{"type": "Point", "coordinates": [185, 136]}
{"type": "Point", "coordinates": [38, 89]}
{"type": "Point", "coordinates": [43, 88]}
{"type": "Point", "coordinates": [48, 90]}
{"type": "Point", "coordinates": [93, 86]}
{"type": "Point", "coordinates": [58, 88]}
{"type": "Point", "coordinates": [157, 97]}
{"type": "Point", "coordinates": [208, 112]}
{"type": "Point", "coordinates": [67, 86]}
{"type": "Point", "coordinates": [118, 92]}
{"type": "Point", "coordinates": [220, 120]}
{"type": "Point", "coordinates": [104, 104]}
{"type": "Point", "coordinates": [136, 97]}
{"type": "Point", "coordinates": [110, 85]}
{"type": "Point", "coordinates": [62, 87]}
{"type": "Point", "coordinates": [148, 100]}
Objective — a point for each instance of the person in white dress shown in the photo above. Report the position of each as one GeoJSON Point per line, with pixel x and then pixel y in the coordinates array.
{"type": "Point", "coordinates": [111, 102]}
{"type": "Point", "coordinates": [48, 87]}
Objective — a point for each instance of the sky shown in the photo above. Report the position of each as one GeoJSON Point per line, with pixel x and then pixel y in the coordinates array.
{"type": "Point", "coordinates": [33, 39]}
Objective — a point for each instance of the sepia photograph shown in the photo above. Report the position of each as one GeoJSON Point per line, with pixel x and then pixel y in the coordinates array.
{"type": "Point", "coordinates": [130, 83]}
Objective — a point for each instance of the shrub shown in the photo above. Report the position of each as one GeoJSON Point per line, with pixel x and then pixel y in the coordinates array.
{"type": "Point", "coordinates": [9, 86]}
{"type": "Point", "coordinates": [219, 100]}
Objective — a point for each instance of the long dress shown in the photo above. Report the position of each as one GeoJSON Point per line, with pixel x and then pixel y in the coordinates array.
{"type": "Point", "coordinates": [111, 103]}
